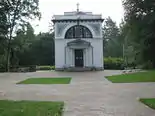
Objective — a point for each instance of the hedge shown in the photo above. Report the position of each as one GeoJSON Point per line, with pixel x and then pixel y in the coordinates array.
{"type": "Point", "coordinates": [114, 63]}
{"type": "Point", "coordinates": [45, 67]}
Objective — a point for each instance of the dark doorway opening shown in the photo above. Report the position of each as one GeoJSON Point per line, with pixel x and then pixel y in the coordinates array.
{"type": "Point", "coordinates": [79, 58]}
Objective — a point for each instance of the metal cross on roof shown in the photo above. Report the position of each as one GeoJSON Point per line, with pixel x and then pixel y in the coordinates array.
{"type": "Point", "coordinates": [77, 7]}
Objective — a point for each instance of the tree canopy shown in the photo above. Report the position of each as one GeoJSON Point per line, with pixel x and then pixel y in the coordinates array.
{"type": "Point", "coordinates": [112, 40]}
{"type": "Point", "coordinates": [140, 22]}
{"type": "Point", "coordinates": [16, 14]}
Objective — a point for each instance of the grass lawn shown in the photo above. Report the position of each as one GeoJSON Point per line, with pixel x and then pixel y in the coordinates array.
{"type": "Point", "coordinates": [149, 102]}
{"type": "Point", "coordinates": [46, 81]}
{"type": "Point", "coordinates": [148, 76]}
{"type": "Point", "coordinates": [30, 108]}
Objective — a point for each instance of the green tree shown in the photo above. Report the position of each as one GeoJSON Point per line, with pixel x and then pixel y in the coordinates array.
{"type": "Point", "coordinates": [140, 17]}
{"type": "Point", "coordinates": [18, 13]}
{"type": "Point", "coordinates": [40, 51]}
{"type": "Point", "coordinates": [3, 35]}
{"type": "Point", "coordinates": [112, 41]}
{"type": "Point", "coordinates": [21, 43]}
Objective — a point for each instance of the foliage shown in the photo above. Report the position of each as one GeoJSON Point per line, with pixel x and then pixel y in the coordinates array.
{"type": "Point", "coordinates": [21, 43]}
{"type": "Point", "coordinates": [149, 102]}
{"type": "Point", "coordinates": [32, 68]}
{"type": "Point", "coordinates": [3, 35]}
{"type": "Point", "coordinates": [2, 62]}
{"type": "Point", "coordinates": [148, 76]}
{"type": "Point", "coordinates": [28, 68]}
{"type": "Point", "coordinates": [39, 52]}
{"type": "Point", "coordinates": [30, 108]}
{"type": "Point", "coordinates": [45, 67]}
{"type": "Point", "coordinates": [113, 63]}
{"type": "Point", "coordinates": [17, 13]}
{"type": "Point", "coordinates": [49, 80]}
{"type": "Point", "coordinates": [140, 26]}
{"type": "Point", "coordinates": [29, 49]}
{"type": "Point", "coordinates": [112, 40]}
{"type": "Point", "coordinates": [3, 22]}
{"type": "Point", "coordinates": [146, 65]}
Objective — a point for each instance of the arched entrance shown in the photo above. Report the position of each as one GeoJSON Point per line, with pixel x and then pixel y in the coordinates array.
{"type": "Point", "coordinates": [79, 53]}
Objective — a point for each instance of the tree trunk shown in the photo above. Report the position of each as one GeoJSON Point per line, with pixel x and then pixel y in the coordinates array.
{"type": "Point", "coordinates": [8, 55]}
{"type": "Point", "coordinates": [10, 33]}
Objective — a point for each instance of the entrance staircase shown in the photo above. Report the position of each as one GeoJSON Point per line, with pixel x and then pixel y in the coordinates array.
{"type": "Point", "coordinates": [79, 69]}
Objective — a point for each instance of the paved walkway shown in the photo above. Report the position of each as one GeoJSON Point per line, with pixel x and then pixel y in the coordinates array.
{"type": "Point", "coordinates": [89, 93]}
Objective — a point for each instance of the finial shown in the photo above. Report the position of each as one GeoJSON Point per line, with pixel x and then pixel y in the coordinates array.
{"type": "Point", "coordinates": [77, 7]}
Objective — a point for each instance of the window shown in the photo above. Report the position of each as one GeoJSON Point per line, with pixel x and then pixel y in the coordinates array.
{"type": "Point", "coordinates": [78, 31]}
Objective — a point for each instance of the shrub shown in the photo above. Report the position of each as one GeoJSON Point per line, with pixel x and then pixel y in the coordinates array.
{"type": "Point", "coordinates": [114, 63]}
{"type": "Point", "coordinates": [32, 68]}
{"type": "Point", "coordinates": [45, 67]}
{"type": "Point", "coordinates": [52, 67]}
{"type": "Point", "coordinates": [2, 68]}
{"type": "Point", "coordinates": [23, 69]}
{"type": "Point", "coordinates": [14, 68]}
{"type": "Point", "coordinates": [146, 65]}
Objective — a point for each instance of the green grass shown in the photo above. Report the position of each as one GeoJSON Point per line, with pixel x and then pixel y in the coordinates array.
{"type": "Point", "coordinates": [46, 81]}
{"type": "Point", "coordinates": [149, 102]}
{"type": "Point", "coordinates": [30, 108]}
{"type": "Point", "coordinates": [148, 76]}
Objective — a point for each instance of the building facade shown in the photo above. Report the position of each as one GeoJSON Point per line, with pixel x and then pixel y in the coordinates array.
{"type": "Point", "coordinates": [78, 40]}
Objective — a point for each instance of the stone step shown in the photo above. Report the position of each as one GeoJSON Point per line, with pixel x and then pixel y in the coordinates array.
{"type": "Point", "coordinates": [78, 69]}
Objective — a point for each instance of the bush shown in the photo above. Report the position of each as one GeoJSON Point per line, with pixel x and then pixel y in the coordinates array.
{"type": "Point", "coordinates": [52, 67]}
{"type": "Point", "coordinates": [2, 68]}
{"type": "Point", "coordinates": [114, 63]}
{"type": "Point", "coordinates": [146, 65]}
{"type": "Point", "coordinates": [24, 69]}
{"type": "Point", "coordinates": [32, 68]}
{"type": "Point", "coordinates": [46, 68]}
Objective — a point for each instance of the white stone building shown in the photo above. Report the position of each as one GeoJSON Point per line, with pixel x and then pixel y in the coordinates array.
{"type": "Point", "coordinates": [78, 40]}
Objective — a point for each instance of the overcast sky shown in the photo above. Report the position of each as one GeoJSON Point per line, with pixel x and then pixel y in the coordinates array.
{"type": "Point", "coordinates": [48, 8]}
